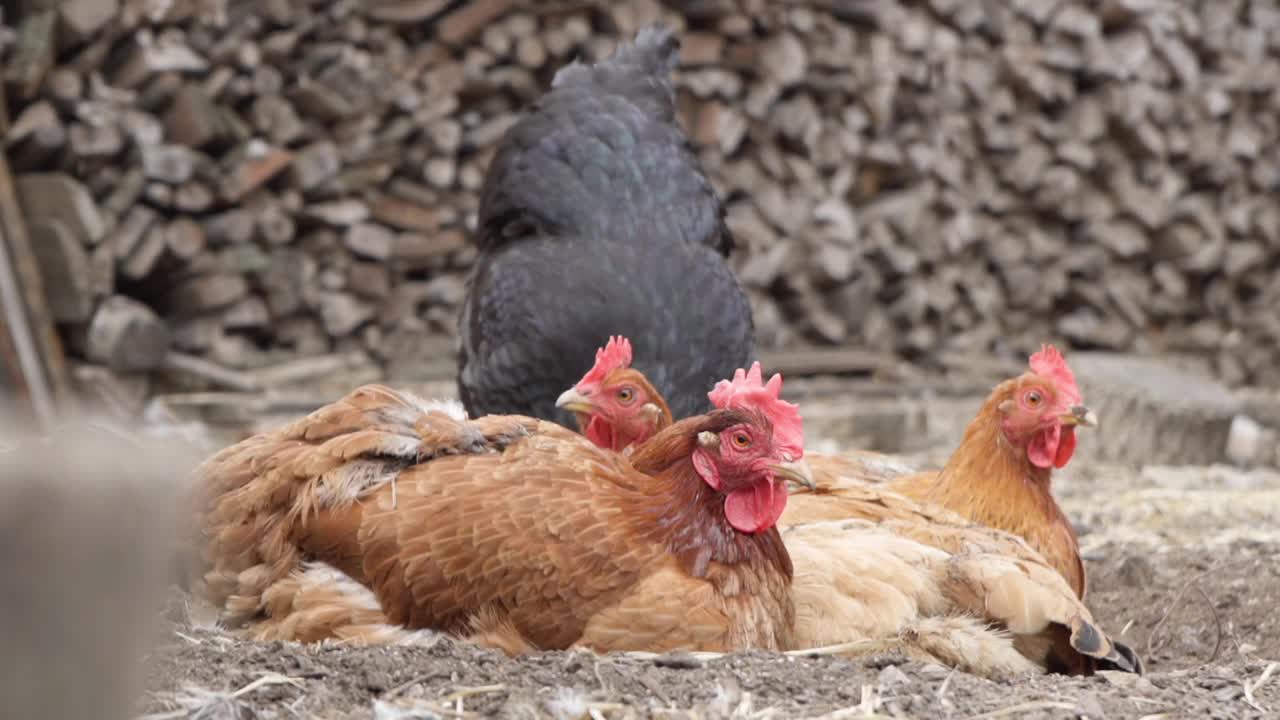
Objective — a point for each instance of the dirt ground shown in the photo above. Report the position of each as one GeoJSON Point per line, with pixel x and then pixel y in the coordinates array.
{"type": "Point", "coordinates": [1184, 566]}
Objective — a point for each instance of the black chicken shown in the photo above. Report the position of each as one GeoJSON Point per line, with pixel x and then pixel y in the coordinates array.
{"type": "Point", "coordinates": [596, 220]}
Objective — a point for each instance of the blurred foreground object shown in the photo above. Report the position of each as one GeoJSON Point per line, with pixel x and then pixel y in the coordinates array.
{"type": "Point", "coordinates": [87, 521]}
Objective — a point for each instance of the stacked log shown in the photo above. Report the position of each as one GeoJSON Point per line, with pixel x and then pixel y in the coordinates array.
{"type": "Point", "coordinates": [241, 181]}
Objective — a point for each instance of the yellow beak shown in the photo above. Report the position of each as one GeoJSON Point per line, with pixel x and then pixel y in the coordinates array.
{"type": "Point", "coordinates": [797, 471]}
{"type": "Point", "coordinates": [1080, 415]}
{"type": "Point", "coordinates": [575, 402]}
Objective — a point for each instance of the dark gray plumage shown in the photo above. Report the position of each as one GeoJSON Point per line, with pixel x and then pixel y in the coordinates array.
{"type": "Point", "coordinates": [596, 220]}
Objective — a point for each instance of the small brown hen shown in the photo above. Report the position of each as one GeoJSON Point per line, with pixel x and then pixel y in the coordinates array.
{"type": "Point", "coordinates": [382, 513]}
{"type": "Point", "coordinates": [1000, 474]}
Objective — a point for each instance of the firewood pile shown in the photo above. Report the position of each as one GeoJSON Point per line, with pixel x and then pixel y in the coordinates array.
{"type": "Point", "coordinates": [216, 186]}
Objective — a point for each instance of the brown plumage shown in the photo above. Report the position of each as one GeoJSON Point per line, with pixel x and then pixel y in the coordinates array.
{"type": "Point", "coordinates": [509, 530]}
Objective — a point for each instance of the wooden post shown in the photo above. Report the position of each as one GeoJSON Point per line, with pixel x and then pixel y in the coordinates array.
{"type": "Point", "coordinates": [24, 373]}
{"type": "Point", "coordinates": [30, 350]}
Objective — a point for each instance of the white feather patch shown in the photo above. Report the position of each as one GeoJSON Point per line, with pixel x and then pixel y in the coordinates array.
{"type": "Point", "coordinates": [450, 407]}
{"type": "Point", "coordinates": [357, 478]}
{"type": "Point", "coordinates": [322, 575]}
{"type": "Point", "coordinates": [352, 481]}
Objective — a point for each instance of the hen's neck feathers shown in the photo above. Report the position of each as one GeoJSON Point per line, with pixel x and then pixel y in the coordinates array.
{"type": "Point", "coordinates": [680, 508]}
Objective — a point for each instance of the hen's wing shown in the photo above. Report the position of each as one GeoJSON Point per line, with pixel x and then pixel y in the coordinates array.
{"type": "Point", "coordinates": [836, 474]}
{"type": "Point", "coordinates": [890, 563]}
{"type": "Point", "coordinates": [1030, 514]}
{"type": "Point", "coordinates": [535, 535]}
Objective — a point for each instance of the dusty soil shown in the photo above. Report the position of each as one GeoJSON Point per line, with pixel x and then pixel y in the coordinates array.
{"type": "Point", "coordinates": [1184, 566]}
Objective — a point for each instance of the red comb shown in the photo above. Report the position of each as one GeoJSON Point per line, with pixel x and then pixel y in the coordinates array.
{"type": "Point", "coordinates": [748, 390]}
{"type": "Point", "coordinates": [614, 355]}
{"type": "Point", "coordinates": [1049, 363]}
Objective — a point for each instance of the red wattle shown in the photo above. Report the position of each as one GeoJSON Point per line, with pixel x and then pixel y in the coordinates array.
{"type": "Point", "coordinates": [1043, 449]}
{"type": "Point", "coordinates": [757, 508]}
{"type": "Point", "coordinates": [1066, 447]}
{"type": "Point", "coordinates": [1052, 447]}
{"type": "Point", "coordinates": [601, 432]}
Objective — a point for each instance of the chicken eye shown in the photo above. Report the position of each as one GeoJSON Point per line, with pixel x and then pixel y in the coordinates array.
{"type": "Point", "coordinates": [1034, 398]}
{"type": "Point", "coordinates": [626, 395]}
{"type": "Point", "coordinates": [741, 440]}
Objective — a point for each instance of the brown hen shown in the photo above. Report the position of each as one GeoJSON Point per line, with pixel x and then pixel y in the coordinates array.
{"type": "Point", "coordinates": [382, 513]}
{"type": "Point", "coordinates": [1000, 474]}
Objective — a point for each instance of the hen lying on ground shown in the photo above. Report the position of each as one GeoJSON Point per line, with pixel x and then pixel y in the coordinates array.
{"type": "Point", "coordinates": [595, 217]}
{"type": "Point", "coordinates": [999, 475]}
{"type": "Point", "coordinates": [381, 514]}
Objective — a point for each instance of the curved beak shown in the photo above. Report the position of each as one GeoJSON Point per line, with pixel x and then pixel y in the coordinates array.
{"type": "Point", "coordinates": [796, 471]}
{"type": "Point", "coordinates": [575, 402]}
{"type": "Point", "coordinates": [1080, 415]}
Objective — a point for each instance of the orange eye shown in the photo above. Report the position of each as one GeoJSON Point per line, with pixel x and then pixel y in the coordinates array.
{"type": "Point", "coordinates": [741, 440]}
{"type": "Point", "coordinates": [1034, 398]}
{"type": "Point", "coordinates": [626, 395]}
